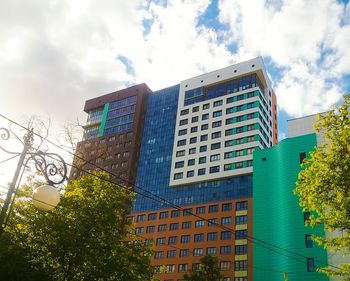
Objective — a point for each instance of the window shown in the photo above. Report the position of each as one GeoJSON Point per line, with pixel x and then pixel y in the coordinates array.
{"type": "Point", "coordinates": [190, 174]}
{"type": "Point", "coordinates": [228, 167]}
{"type": "Point", "coordinates": [229, 121]}
{"type": "Point", "coordinates": [185, 238]}
{"type": "Point", "coordinates": [302, 156]}
{"type": "Point", "coordinates": [308, 241]}
{"type": "Point", "coordinates": [174, 226]}
{"type": "Point", "coordinates": [225, 235]}
{"type": "Point", "coordinates": [250, 127]}
{"type": "Point", "coordinates": [158, 255]}
{"type": "Point", "coordinates": [250, 95]}
{"type": "Point", "coordinates": [139, 230]}
{"type": "Point", "coordinates": [217, 113]}
{"type": "Point", "coordinates": [239, 153]}
{"type": "Point", "coordinates": [175, 213]}
{"type": "Point", "coordinates": [240, 141]}
{"type": "Point", "coordinates": [152, 216]}
{"type": "Point", "coordinates": [170, 268]}
{"type": "Point", "coordinates": [250, 116]}
{"type": "Point", "coordinates": [206, 106]}
{"type": "Point", "coordinates": [192, 151]}
{"type": "Point", "coordinates": [249, 163]}
{"type": "Point", "coordinates": [216, 135]}
{"type": "Point", "coordinates": [250, 139]}
{"type": "Point", "coordinates": [200, 210]}
{"type": "Point", "coordinates": [225, 250]}
{"type": "Point", "coordinates": [201, 172]}
{"type": "Point", "coordinates": [141, 218]}
{"type": "Point", "coordinates": [150, 229]}
{"type": "Point", "coordinates": [162, 227]}
{"type": "Point", "coordinates": [197, 252]}
{"type": "Point", "coordinates": [202, 160]}
{"type": "Point", "coordinates": [183, 267]}
{"type": "Point", "coordinates": [160, 241]}
{"type": "Point", "coordinates": [196, 266]}
{"type": "Point", "coordinates": [240, 97]}
{"type": "Point", "coordinates": [203, 148]}
{"type": "Point", "coordinates": [194, 119]}
{"type": "Point", "coordinates": [204, 127]}
{"type": "Point", "coordinates": [310, 264]}
{"type": "Point", "coordinates": [204, 137]}
{"type": "Point", "coordinates": [214, 169]}
{"type": "Point", "coordinates": [212, 222]}
{"type": "Point", "coordinates": [250, 150]}
{"type": "Point", "coordinates": [211, 251]}
{"type": "Point", "coordinates": [213, 208]}
{"type": "Point", "coordinates": [242, 205]}
{"type": "Point", "coordinates": [241, 265]}
{"type": "Point", "coordinates": [212, 236]}
{"type": "Point", "coordinates": [199, 237]}
{"type": "Point", "coordinates": [163, 215]}
{"type": "Point", "coordinates": [187, 212]}
{"type": "Point", "coordinates": [226, 220]}
{"type": "Point", "coordinates": [241, 249]}
{"type": "Point", "coordinates": [241, 219]}
{"type": "Point", "coordinates": [181, 142]}
{"type": "Point", "coordinates": [171, 254]}
{"type": "Point", "coordinates": [250, 105]}
{"type": "Point", "coordinates": [194, 129]}
{"type": "Point", "coordinates": [195, 109]}
{"type": "Point", "coordinates": [217, 103]}
{"type": "Point", "coordinates": [228, 143]}
{"type": "Point", "coordinates": [216, 145]}
{"type": "Point", "coordinates": [216, 124]}
{"type": "Point", "coordinates": [240, 234]}
{"type": "Point", "coordinates": [215, 157]}
{"type": "Point", "coordinates": [226, 207]}
{"type": "Point", "coordinates": [225, 265]}
{"type": "Point", "coordinates": [205, 116]}
{"type": "Point", "coordinates": [240, 107]}
{"type": "Point", "coordinates": [179, 164]}
{"type": "Point", "coordinates": [184, 112]}
{"type": "Point", "coordinates": [199, 223]}
{"type": "Point", "coordinates": [186, 225]}
{"type": "Point", "coordinates": [184, 253]}
{"type": "Point", "coordinates": [183, 122]}
{"type": "Point", "coordinates": [239, 130]}
{"type": "Point", "coordinates": [239, 118]}
{"type": "Point", "coordinates": [180, 153]}
{"type": "Point", "coordinates": [182, 132]}
{"type": "Point", "coordinates": [306, 217]}
{"type": "Point", "coordinates": [178, 176]}
{"type": "Point", "coordinates": [172, 240]}
{"type": "Point", "coordinates": [190, 162]}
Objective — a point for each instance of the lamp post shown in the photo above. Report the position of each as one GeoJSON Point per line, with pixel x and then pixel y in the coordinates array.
{"type": "Point", "coordinates": [52, 167]}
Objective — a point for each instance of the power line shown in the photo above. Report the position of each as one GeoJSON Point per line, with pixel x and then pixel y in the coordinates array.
{"type": "Point", "coordinates": [162, 200]}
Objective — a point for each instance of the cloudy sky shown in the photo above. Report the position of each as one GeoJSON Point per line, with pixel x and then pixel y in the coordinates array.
{"type": "Point", "coordinates": [55, 54]}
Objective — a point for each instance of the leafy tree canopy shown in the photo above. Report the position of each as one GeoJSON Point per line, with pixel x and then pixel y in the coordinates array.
{"type": "Point", "coordinates": [324, 183]}
{"type": "Point", "coordinates": [209, 270]}
{"type": "Point", "coordinates": [86, 237]}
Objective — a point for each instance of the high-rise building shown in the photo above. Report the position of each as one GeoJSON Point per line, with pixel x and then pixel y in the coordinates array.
{"type": "Point", "coordinates": [197, 155]}
{"type": "Point", "coordinates": [113, 133]}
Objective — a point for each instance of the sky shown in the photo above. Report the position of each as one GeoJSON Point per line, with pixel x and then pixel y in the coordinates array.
{"type": "Point", "coordinates": [56, 54]}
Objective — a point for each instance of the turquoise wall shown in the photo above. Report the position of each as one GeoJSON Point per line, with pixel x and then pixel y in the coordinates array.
{"type": "Point", "coordinates": [277, 218]}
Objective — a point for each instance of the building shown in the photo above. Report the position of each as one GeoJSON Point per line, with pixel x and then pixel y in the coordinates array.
{"type": "Point", "coordinates": [196, 158]}
{"type": "Point", "coordinates": [278, 218]}
{"type": "Point", "coordinates": [113, 133]}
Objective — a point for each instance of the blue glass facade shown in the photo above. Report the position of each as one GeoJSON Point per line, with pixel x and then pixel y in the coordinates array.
{"type": "Point", "coordinates": [155, 162]}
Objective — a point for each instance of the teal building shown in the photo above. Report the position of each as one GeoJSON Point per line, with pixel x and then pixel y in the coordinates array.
{"type": "Point", "coordinates": [278, 218]}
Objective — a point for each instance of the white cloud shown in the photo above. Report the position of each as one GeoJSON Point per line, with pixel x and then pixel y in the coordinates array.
{"type": "Point", "coordinates": [306, 41]}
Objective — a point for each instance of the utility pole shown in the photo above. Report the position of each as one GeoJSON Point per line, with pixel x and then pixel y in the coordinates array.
{"type": "Point", "coordinates": [27, 144]}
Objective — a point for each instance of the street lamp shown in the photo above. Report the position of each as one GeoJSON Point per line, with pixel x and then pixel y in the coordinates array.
{"type": "Point", "coordinates": [52, 167]}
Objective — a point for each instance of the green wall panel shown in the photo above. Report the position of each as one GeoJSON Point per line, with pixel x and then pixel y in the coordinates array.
{"type": "Point", "coordinates": [277, 218]}
{"type": "Point", "coordinates": [103, 121]}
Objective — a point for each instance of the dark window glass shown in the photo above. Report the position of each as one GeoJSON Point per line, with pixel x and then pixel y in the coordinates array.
{"type": "Point", "coordinates": [225, 235]}
{"type": "Point", "coordinates": [201, 172]}
{"type": "Point", "coordinates": [308, 241]}
{"type": "Point", "coordinates": [302, 156]}
{"type": "Point", "coordinates": [240, 234]}
{"type": "Point", "coordinates": [241, 249]}
{"type": "Point", "coordinates": [175, 213]}
{"type": "Point", "coordinates": [310, 264]}
{"type": "Point", "coordinates": [200, 210]}
{"type": "Point", "coordinates": [184, 112]}
{"type": "Point", "coordinates": [214, 169]}
{"type": "Point", "coordinates": [226, 207]}
{"type": "Point", "coordinates": [213, 208]}
{"type": "Point", "coordinates": [199, 237]}
{"type": "Point", "coordinates": [242, 205]}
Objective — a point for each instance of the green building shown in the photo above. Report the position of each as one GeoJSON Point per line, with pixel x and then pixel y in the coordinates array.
{"type": "Point", "coordinates": [278, 218]}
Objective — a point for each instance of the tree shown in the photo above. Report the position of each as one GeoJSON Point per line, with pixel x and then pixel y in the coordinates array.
{"type": "Point", "coordinates": [209, 270]}
{"type": "Point", "coordinates": [87, 237]}
{"type": "Point", "coordinates": [324, 184]}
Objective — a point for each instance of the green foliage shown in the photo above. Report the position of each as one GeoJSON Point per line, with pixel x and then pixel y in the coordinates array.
{"type": "Point", "coordinates": [209, 270]}
{"type": "Point", "coordinates": [324, 183]}
{"type": "Point", "coordinates": [86, 237]}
